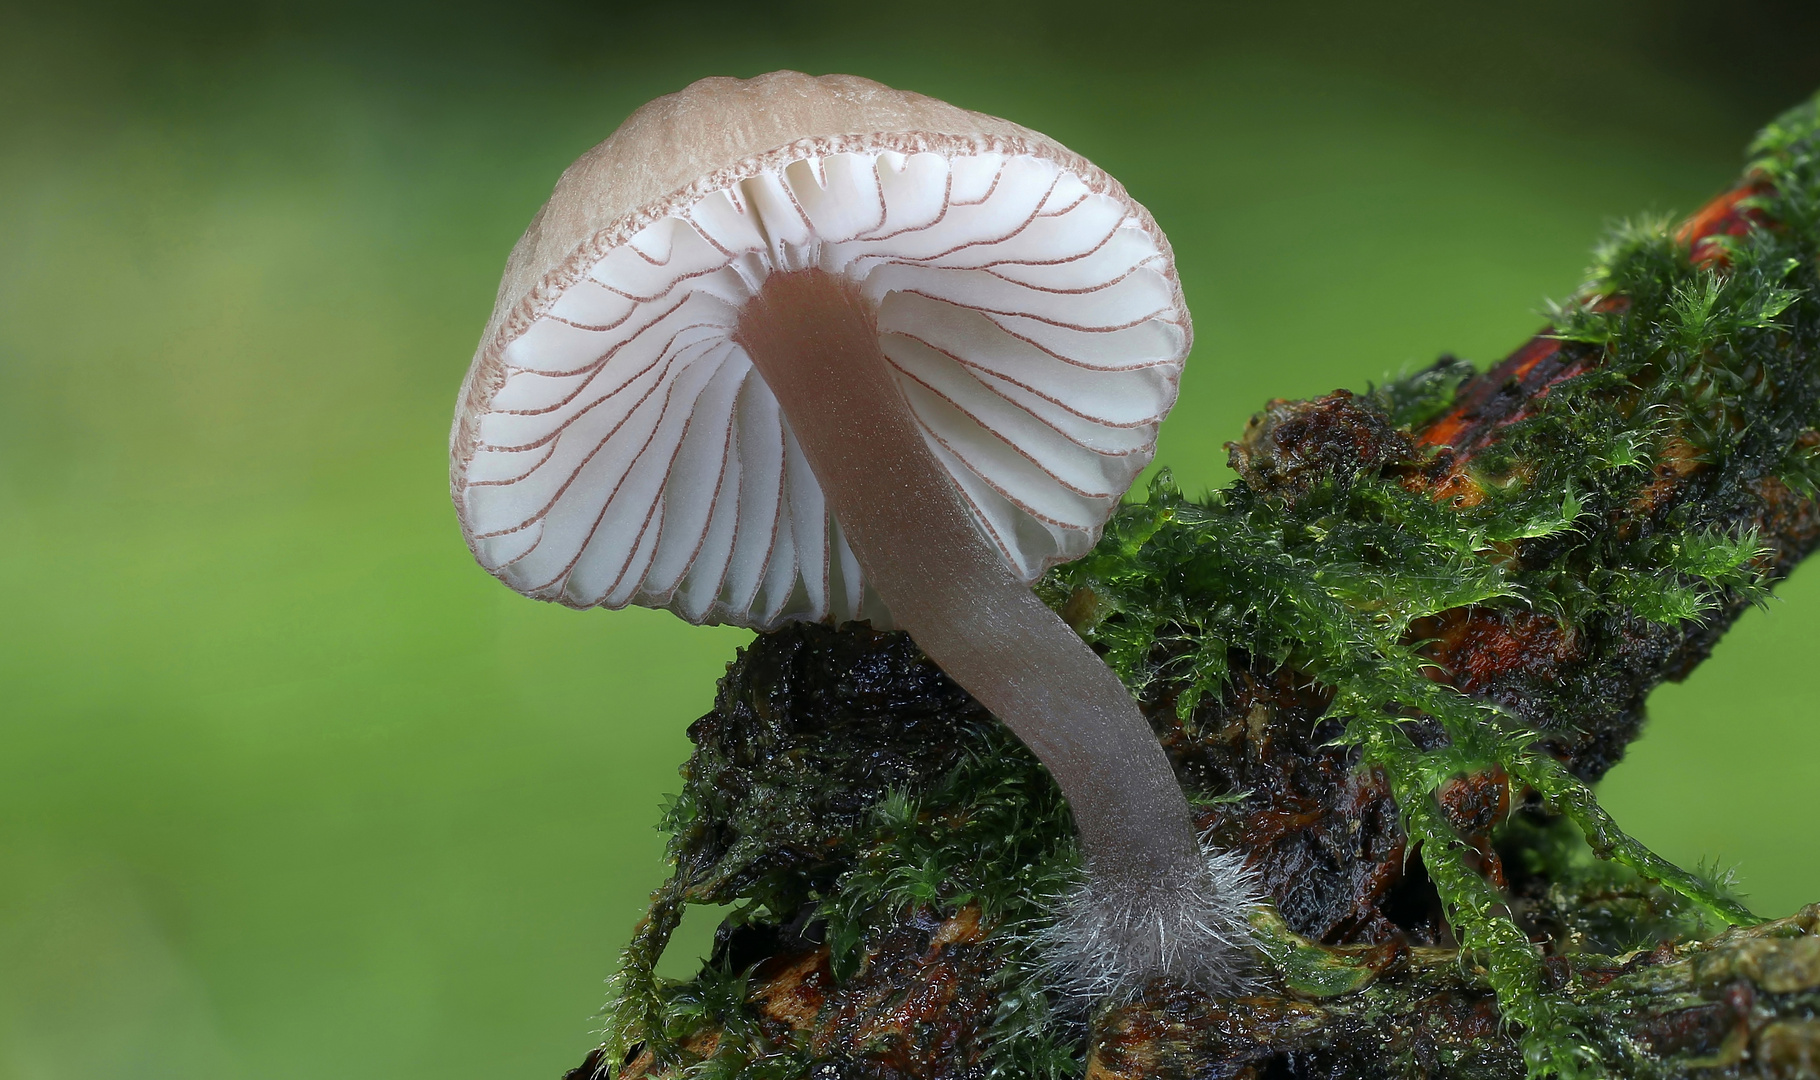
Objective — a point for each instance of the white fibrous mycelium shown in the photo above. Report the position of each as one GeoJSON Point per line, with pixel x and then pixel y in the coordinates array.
{"type": "Point", "coordinates": [1103, 933]}
{"type": "Point", "coordinates": [889, 363]}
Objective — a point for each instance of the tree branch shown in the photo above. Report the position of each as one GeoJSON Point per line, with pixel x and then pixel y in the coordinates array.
{"type": "Point", "coordinates": [1386, 665]}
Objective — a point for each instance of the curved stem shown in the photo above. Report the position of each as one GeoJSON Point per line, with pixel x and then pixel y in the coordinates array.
{"type": "Point", "coordinates": [814, 339]}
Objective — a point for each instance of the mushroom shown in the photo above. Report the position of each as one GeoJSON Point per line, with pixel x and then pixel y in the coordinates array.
{"type": "Point", "coordinates": [813, 348]}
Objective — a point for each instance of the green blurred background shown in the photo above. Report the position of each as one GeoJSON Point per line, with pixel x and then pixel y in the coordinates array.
{"type": "Point", "coordinates": [290, 789]}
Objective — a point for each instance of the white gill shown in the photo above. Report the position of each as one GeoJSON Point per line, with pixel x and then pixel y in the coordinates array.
{"type": "Point", "coordinates": [633, 455]}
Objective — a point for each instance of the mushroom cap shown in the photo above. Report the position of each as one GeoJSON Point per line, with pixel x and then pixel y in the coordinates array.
{"type": "Point", "coordinates": [613, 444]}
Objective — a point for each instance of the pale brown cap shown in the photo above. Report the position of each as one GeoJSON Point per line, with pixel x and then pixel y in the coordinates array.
{"type": "Point", "coordinates": [612, 443]}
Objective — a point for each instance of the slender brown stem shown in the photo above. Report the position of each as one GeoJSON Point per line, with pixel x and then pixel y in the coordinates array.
{"type": "Point", "coordinates": [814, 339]}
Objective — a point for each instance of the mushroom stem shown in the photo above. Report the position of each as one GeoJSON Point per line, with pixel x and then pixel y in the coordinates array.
{"type": "Point", "coordinates": [814, 339]}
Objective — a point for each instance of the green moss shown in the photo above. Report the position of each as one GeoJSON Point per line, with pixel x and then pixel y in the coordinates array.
{"type": "Point", "coordinates": [1699, 361]}
{"type": "Point", "coordinates": [836, 821]}
{"type": "Point", "coordinates": [1716, 359]}
{"type": "Point", "coordinates": [1562, 892]}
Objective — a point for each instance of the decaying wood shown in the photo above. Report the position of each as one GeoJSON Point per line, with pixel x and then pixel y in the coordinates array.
{"type": "Point", "coordinates": [1397, 998]}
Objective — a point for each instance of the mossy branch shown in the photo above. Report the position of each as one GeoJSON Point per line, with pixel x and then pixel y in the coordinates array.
{"type": "Point", "coordinates": [1423, 623]}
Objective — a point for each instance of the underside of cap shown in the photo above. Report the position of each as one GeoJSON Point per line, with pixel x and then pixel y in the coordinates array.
{"type": "Point", "coordinates": [615, 446]}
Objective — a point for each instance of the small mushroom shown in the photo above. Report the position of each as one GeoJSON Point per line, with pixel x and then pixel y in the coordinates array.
{"type": "Point", "coordinates": [814, 348]}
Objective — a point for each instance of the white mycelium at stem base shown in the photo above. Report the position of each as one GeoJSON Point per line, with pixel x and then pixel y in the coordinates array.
{"type": "Point", "coordinates": [1152, 905]}
{"type": "Point", "coordinates": [797, 348]}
